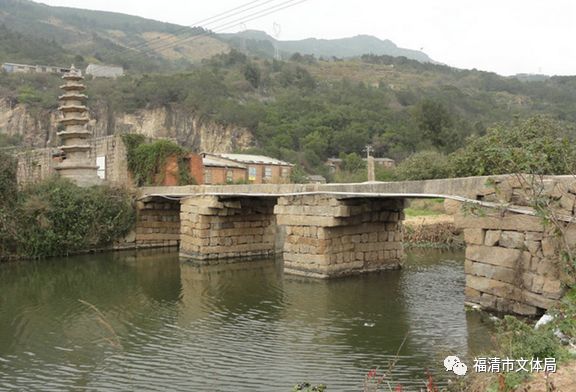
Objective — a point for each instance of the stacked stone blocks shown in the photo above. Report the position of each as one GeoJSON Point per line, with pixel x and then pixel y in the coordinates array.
{"type": "Point", "coordinates": [329, 237]}
{"type": "Point", "coordinates": [512, 260]}
{"type": "Point", "coordinates": [214, 228]}
{"type": "Point", "coordinates": [158, 223]}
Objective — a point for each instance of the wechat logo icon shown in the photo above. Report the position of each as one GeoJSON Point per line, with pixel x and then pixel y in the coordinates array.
{"type": "Point", "coordinates": [452, 363]}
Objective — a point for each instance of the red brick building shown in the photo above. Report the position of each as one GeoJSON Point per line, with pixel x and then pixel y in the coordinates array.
{"type": "Point", "coordinates": [258, 169]}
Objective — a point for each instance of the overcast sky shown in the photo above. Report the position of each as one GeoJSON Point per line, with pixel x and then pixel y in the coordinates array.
{"type": "Point", "coordinates": [504, 36]}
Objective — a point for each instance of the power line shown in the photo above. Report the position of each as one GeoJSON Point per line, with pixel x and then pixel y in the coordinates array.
{"type": "Point", "coordinates": [253, 16]}
{"type": "Point", "coordinates": [206, 22]}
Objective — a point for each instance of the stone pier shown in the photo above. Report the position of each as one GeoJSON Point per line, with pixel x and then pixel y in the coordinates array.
{"type": "Point", "coordinates": [157, 222]}
{"type": "Point", "coordinates": [329, 237]}
{"type": "Point", "coordinates": [220, 228]}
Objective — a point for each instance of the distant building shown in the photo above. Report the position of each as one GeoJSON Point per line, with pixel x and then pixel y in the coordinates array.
{"type": "Point", "coordinates": [218, 170]}
{"type": "Point", "coordinates": [259, 169]}
{"type": "Point", "coordinates": [104, 71]}
{"type": "Point", "coordinates": [26, 68]}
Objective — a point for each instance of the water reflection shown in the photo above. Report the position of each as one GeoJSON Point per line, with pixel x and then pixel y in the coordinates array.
{"type": "Point", "coordinates": [156, 322]}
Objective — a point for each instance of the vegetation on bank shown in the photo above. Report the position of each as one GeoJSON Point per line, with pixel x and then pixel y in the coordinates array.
{"type": "Point", "coordinates": [56, 217]}
{"type": "Point", "coordinates": [517, 339]}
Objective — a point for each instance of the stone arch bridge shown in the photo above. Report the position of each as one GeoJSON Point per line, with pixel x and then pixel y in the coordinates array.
{"type": "Point", "coordinates": [333, 230]}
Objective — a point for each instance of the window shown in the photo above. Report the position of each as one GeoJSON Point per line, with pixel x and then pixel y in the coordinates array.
{"type": "Point", "coordinates": [285, 172]}
{"type": "Point", "coordinates": [252, 173]}
{"type": "Point", "coordinates": [101, 163]}
{"type": "Point", "coordinates": [207, 176]}
{"type": "Point", "coordinates": [229, 176]}
{"type": "Point", "coordinates": [267, 172]}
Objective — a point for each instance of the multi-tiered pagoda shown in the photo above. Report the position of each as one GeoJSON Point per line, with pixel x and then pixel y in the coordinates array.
{"type": "Point", "coordinates": [79, 165]}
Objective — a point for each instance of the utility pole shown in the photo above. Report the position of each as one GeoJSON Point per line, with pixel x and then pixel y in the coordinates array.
{"type": "Point", "coordinates": [370, 163]}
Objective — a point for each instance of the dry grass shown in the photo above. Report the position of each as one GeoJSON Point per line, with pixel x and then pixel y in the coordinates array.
{"type": "Point", "coordinates": [432, 231]}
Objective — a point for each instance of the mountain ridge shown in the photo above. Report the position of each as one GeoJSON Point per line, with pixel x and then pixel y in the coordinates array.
{"type": "Point", "coordinates": [346, 47]}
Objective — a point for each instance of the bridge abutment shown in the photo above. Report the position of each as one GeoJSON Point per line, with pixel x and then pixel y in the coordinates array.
{"type": "Point", "coordinates": [220, 228]}
{"type": "Point", "coordinates": [513, 261]}
{"type": "Point", "coordinates": [330, 237]}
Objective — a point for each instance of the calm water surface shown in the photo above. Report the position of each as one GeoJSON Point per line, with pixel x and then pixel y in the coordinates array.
{"type": "Point", "coordinates": [146, 322]}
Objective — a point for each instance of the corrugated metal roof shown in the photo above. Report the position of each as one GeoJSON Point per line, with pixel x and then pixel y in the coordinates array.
{"type": "Point", "coordinates": [220, 162]}
{"type": "Point", "coordinates": [246, 158]}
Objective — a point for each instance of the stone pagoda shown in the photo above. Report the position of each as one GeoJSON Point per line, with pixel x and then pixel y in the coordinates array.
{"type": "Point", "coordinates": [79, 165]}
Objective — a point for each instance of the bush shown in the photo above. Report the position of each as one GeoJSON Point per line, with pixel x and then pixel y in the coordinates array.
{"type": "Point", "coordinates": [56, 217]}
{"type": "Point", "coordinates": [425, 165]}
{"type": "Point", "coordinates": [534, 146]}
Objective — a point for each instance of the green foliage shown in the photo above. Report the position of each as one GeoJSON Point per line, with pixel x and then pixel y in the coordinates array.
{"type": "Point", "coordinates": [146, 161]}
{"type": "Point", "coordinates": [425, 165]}
{"type": "Point", "coordinates": [518, 340]}
{"type": "Point", "coordinates": [298, 175]}
{"type": "Point", "coordinates": [435, 122]}
{"type": "Point", "coordinates": [534, 146]}
{"type": "Point", "coordinates": [252, 74]}
{"type": "Point", "coordinates": [56, 217]}
{"type": "Point", "coordinates": [565, 314]}
{"type": "Point", "coordinates": [7, 202]}
{"type": "Point", "coordinates": [7, 178]}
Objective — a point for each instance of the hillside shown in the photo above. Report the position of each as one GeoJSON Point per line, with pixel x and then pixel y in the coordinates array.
{"type": "Point", "coordinates": [303, 110]}
{"type": "Point", "coordinates": [144, 45]}
{"type": "Point", "coordinates": [97, 36]}
{"type": "Point", "coordinates": [261, 43]}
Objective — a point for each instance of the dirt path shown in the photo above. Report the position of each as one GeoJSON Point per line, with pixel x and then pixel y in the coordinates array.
{"type": "Point", "coordinates": [564, 380]}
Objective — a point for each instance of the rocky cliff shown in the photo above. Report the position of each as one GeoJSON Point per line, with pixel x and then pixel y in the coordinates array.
{"type": "Point", "coordinates": [37, 128]}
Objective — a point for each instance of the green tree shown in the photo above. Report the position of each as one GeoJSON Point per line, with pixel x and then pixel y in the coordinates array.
{"type": "Point", "coordinates": [434, 121]}
{"type": "Point", "coordinates": [424, 165]}
{"type": "Point", "coordinates": [535, 146]}
{"type": "Point", "coordinates": [252, 74]}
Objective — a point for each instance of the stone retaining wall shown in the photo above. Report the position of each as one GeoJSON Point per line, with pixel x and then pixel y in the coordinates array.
{"type": "Point", "coordinates": [512, 260]}
{"type": "Point", "coordinates": [329, 237]}
{"type": "Point", "coordinates": [216, 229]}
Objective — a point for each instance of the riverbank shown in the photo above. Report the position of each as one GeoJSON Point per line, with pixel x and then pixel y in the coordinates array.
{"type": "Point", "coordinates": [433, 231]}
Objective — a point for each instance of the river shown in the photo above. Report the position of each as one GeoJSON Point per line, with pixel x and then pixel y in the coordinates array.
{"type": "Point", "coordinates": [143, 321]}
